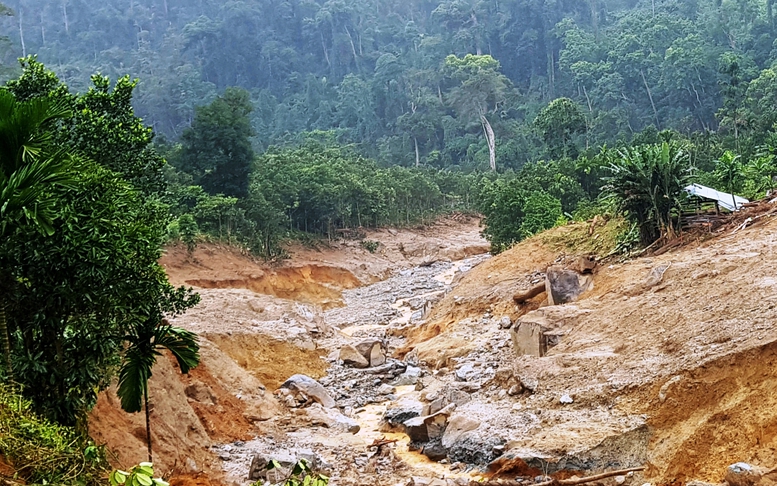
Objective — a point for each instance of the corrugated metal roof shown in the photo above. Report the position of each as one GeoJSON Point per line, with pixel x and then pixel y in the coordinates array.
{"type": "Point", "coordinates": [724, 199]}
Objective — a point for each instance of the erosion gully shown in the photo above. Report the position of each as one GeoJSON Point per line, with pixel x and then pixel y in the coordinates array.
{"type": "Point", "coordinates": [381, 311]}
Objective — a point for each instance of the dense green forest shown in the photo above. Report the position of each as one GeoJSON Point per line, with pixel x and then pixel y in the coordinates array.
{"type": "Point", "coordinates": [376, 72]}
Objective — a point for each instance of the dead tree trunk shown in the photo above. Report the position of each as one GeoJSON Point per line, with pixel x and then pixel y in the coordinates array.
{"type": "Point", "coordinates": [491, 140]}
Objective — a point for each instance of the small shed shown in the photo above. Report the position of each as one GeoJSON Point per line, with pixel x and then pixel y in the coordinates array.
{"type": "Point", "coordinates": [722, 199]}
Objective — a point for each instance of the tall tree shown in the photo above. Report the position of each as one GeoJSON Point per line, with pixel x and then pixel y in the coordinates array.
{"type": "Point", "coordinates": [217, 148]}
{"type": "Point", "coordinates": [97, 274]}
{"type": "Point", "coordinates": [480, 90]}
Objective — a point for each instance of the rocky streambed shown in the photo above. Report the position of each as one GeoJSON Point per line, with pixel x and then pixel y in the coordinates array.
{"type": "Point", "coordinates": [374, 418]}
{"type": "Point", "coordinates": [362, 400]}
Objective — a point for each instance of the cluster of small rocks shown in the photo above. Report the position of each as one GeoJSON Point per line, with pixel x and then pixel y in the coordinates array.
{"type": "Point", "coordinates": [354, 387]}
{"type": "Point", "coordinates": [372, 304]}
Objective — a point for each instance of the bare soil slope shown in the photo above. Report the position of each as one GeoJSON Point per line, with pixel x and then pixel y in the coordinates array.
{"type": "Point", "coordinates": [690, 356]}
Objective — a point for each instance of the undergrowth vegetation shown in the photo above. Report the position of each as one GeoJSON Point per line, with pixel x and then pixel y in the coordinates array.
{"type": "Point", "coordinates": [43, 452]}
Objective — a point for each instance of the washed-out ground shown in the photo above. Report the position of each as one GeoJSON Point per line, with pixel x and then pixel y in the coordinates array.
{"type": "Point", "coordinates": [666, 362]}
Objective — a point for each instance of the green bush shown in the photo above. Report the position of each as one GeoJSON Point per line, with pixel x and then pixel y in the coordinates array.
{"type": "Point", "coordinates": [42, 452]}
{"type": "Point", "coordinates": [301, 474]}
{"type": "Point", "coordinates": [370, 245]}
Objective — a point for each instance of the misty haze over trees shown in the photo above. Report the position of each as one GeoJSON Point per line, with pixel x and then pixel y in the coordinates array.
{"type": "Point", "coordinates": [376, 71]}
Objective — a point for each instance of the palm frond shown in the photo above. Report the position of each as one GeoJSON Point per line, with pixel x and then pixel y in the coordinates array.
{"type": "Point", "coordinates": [182, 343]}
{"type": "Point", "coordinates": [133, 377]}
{"type": "Point", "coordinates": [29, 166]}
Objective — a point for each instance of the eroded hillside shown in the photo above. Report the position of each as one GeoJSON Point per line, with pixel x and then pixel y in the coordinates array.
{"type": "Point", "coordinates": [665, 361]}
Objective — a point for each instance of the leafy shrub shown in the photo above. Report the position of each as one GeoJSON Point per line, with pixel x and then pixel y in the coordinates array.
{"type": "Point", "coordinates": [189, 230]}
{"type": "Point", "coordinates": [370, 245]}
{"type": "Point", "coordinates": [541, 211]}
{"type": "Point", "coordinates": [649, 183]}
{"type": "Point", "coordinates": [42, 452]}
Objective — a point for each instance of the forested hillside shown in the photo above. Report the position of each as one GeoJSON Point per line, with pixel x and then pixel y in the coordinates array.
{"type": "Point", "coordinates": [376, 71]}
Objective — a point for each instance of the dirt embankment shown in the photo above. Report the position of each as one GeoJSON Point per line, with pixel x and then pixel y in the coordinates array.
{"type": "Point", "coordinates": [668, 359]}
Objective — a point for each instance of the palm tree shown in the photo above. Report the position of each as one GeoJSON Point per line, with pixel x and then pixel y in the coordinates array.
{"type": "Point", "coordinates": [146, 340]}
{"type": "Point", "coordinates": [29, 167]}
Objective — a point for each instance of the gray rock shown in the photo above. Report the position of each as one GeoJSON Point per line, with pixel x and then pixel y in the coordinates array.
{"type": "Point", "coordinates": [505, 322]}
{"type": "Point", "coordinates": [566, 399]}
{"type": "Point", "coordinates": [564, 285]}
{"type": "Point", "coordinates": [409, 377]}
{"type": "Point", "coordinates": [366, 347]}
{"type": "Point", "coordinates": [465, 372]}
{"type": "Point", "coordinates": [472, 448]}
{"type": "Point", "coordinates": [435, 451]}
{"type": "Point", "coordinates": [351, 356]}
{"type": "Point", "coordinates": [311, 388]}
{"type": "Point", "coordinates": [333, 419]}
{"type": "Point", "coordinates": [386, 390]}
{"type": "Point", "coordinates": [427, 428]}
{"type": "Point", "coordinates": [403, 410]}
{"type": "Point", "coordinates": [458, 425]}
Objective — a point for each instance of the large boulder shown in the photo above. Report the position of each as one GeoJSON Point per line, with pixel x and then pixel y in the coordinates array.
{"type": "Point", "coordinates": [349, 355]}
{"type": "Point", "coordinates": [564, 285]}
{"type": "Point", "coordinates": [310, 388]}
{"type": "Point", "coordinates": [458, 425]}
{"type": "Point", "coordinates": [373, 350]}
{"type": "Point", "coordinates": [429, 427]}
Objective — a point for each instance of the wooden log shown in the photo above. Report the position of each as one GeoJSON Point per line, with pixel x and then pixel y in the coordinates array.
{"type": "Point", "coordinates": [523, 296]}
{"type": "Point", "coordinates": [566, 482]}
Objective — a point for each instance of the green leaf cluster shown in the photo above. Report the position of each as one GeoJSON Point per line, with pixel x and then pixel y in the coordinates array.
{"type": "Point", "coordinates": [140, 475]}
{"type": "Point", "coordinates": [648, 182]}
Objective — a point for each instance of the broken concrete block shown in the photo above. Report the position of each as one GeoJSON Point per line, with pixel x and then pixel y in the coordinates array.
{"type": "Point", "coordinates": [535, 333]}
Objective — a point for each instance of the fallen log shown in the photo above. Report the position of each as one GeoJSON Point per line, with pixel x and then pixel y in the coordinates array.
{"type": "Point", "coordinates": [565, 482]}
{"type": "Point", "coordinates": [521, 297]}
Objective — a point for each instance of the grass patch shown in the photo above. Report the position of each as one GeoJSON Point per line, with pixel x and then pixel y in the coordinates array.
{"type": "Point", "coordinates": [599, 236]}
{"type": "Point", "coordinates": [42, 452]}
